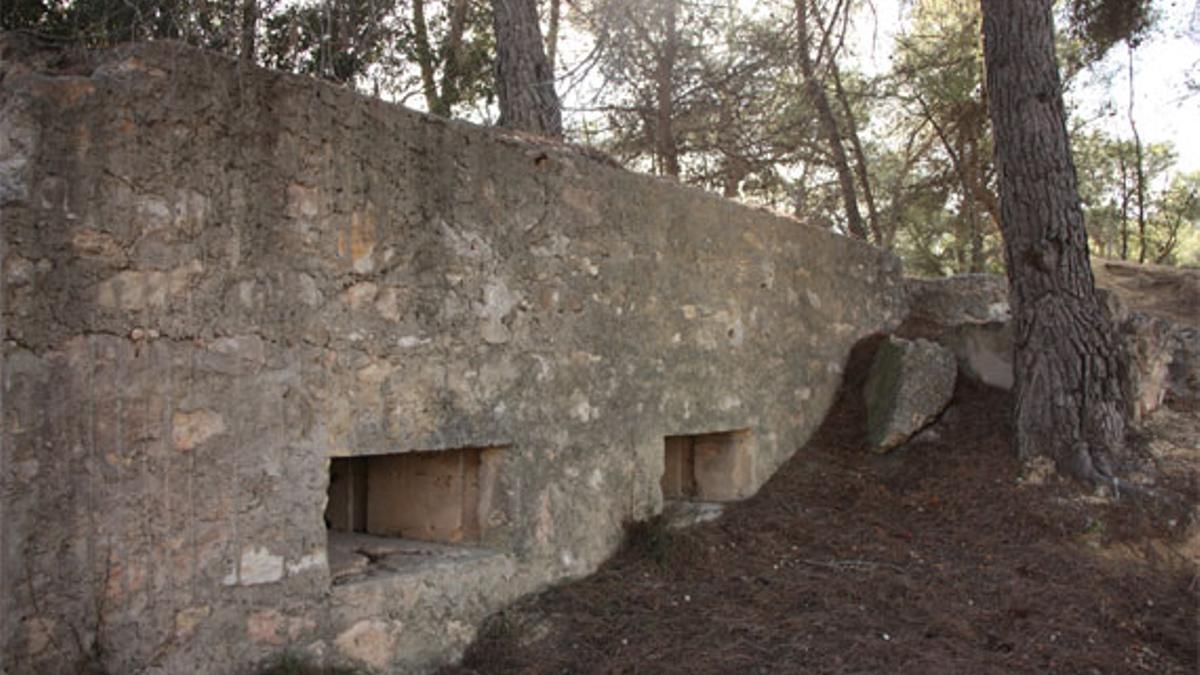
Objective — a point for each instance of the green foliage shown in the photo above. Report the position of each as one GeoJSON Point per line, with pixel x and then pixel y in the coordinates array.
{"type": "Point", "coordinates": [1099, 24]}
{"type": "Point", "coordinates": [1108, 192]}
{"type": "Point", "coordinates": [738, 120]}
{"type": "Point", "coordinates": [944, 200]}
{"type": "Point", "coordinates": [336, 40]}
{"type": "Point", "coordinates": [208, 23]}
{"type": "Point", "coordinates": [369, 44]}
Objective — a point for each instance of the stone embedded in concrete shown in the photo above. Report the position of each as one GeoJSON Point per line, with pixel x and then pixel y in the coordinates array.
{"type": "Point", "coordinates": [266, 626]}
{"type": "Point", "coordinates": [370, 642]}
{"type": "Point", "coordinates": [307, 274]}
{"type": "Point", "coordinates": [190, 429]}
{"type": "Point", "coordinates": [909, 384]}
{"type": "Point", "coordinates": [188, 619]}
{"type": "Point", "coordinates": [259, 566]}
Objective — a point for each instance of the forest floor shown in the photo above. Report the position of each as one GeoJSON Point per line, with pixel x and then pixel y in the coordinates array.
{"type": "Point", "coordinates": [1171, 293]}
{"type": "Point", "coordinates": [936, 558]}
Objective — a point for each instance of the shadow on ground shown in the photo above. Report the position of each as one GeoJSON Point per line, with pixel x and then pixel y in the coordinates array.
{"type": "Point", "coordinates": [936, 558]}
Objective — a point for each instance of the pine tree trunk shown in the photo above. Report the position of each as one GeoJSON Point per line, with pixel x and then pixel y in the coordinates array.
{"type": "Point", "coordinates": [971, 170]}
{"type": "Point", "coordinates": [425, 58]}
{"type": "Point", "coordinates": [249, 30]}
{"type": "Point", "coordinates": [828, 122]}
{"type": "Point", "coordinates": [524, 81]}
{"type": "Point", "coordinates": [860, 157]}
{"type": "Point", "coordinates": [552, 33]}
{"type": "Point", "coordinates": [1124, 206]}
{"type": "Point", "coordinates": [665, 145]}
{"type": "Point", "coordinates": [1140, 167]}
{"type": "Point", "coordinates": [1069, 404]}
{"type": "Point", "coordinates": [451, 55]}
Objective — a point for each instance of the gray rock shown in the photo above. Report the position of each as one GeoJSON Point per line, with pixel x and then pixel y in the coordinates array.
{"type": "Point", "coordinates": [963, 299]}
{"type": "Point", "coordinates": [984, 351]}
{"type": "Point", "coordinates": [1148, 344]}
{"type": "Point", "coordinates": [970, 316]}
{"type": "Point", "coordinates": [910, 382]}
{"type": "Point", "coordinates": [1183, 372]}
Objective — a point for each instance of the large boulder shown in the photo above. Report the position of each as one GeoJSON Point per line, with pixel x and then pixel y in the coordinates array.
{"type": "Point", "coordinates": [910, 383]}
{"type": "Point", "coordinates": [966, 299]}
{"type": "Point", "coordinates": [969, 315]}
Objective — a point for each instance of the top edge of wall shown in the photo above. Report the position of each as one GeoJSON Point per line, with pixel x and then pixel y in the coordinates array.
{"type": "Point", "coordinates": [25, 54]}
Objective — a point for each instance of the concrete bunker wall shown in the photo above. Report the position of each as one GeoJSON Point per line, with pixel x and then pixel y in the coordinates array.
{"type": "Point", "coordinates": [222, 283]}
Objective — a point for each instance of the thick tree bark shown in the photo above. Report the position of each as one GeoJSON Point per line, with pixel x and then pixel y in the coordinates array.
{"type": "Point", "coordinates": [524, 80]}
{"type": "Point", "coordinates": [828, 122]}
{"type": "Point", "coordinates": [1069, 404]}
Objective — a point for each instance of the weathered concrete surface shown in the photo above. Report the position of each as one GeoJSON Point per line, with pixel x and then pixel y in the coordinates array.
{"type": "Point", "coordinates": [909, 385]}
{"type": "Point", "coordinates": [217, 278]}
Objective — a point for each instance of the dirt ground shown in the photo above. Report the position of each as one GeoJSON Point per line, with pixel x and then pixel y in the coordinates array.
{"type": "Point", "coordinates": [936, 558]}
{"type": "Point", "coordinates": [1171, 293]}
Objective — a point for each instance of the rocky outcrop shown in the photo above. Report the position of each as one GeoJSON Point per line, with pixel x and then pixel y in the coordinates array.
{"type": "Point", "coordinates": [909, 384]}
{"type": "Point", "coordinates": [1148, 343]}
{"type": "Point", "coordinates": [969, 315]}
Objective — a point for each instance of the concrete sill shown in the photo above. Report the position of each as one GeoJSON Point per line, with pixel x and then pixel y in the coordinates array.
{"type": "Point", "coordinates": [682, 513]}
{"type": "Point", "coordinates": [355, 557]}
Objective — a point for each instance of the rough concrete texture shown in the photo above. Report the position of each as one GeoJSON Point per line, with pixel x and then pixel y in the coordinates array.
{"type": "Point", "coordinates": [217, 278]}
{"type": "Point", "coordinates": [909, 385]}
